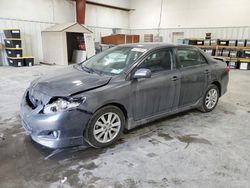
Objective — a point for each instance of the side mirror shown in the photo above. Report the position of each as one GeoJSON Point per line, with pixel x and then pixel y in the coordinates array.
{"type": "Point", "coordinates": [142, 73]}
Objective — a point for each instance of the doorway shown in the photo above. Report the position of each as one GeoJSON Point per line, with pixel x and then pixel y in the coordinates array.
{"type": "Point", "coordinates": [176, 36]}
{"type": "Point", "coordinates": [76, 51]}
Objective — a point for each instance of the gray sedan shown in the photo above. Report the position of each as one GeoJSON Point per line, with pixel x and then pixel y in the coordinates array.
{"type": "Point", "coordinates": [121, 88]}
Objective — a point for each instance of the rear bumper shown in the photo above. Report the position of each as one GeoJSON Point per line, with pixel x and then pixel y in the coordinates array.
{"type": "Point", "coordinates": [224, 83]}
{"type": "Point", "coordinates": [59, 130]}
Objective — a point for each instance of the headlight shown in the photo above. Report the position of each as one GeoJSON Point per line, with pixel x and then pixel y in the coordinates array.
{"type": "Point", "coordinates": [62, 104]}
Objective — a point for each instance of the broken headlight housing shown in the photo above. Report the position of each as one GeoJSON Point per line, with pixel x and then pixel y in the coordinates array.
{"type": "Point", "coordinates": [61, 104]}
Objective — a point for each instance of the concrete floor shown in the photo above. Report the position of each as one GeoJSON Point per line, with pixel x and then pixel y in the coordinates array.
{"type": "Point", "coordinates": [191, 149]}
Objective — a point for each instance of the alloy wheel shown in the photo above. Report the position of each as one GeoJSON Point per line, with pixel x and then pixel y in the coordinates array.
{"type": "Point", "coordinates": [211, 98]}
{"type": "Point", "coordinates": [107, 127]}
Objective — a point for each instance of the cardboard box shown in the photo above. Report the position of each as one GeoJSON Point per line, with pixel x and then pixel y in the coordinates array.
{"type": "Point", "coordinates": [148, 38]}
{"type": "Point", "coordinates": [120, 39]}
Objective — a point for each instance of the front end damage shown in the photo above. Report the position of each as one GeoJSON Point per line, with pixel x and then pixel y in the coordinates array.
{"type": "Point", "coordinates": [55, 130]}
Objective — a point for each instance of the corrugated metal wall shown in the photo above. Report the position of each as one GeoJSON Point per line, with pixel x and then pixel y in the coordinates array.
{"type": "Point", "coordinates": [104, 31]}
{"type": "Point", "coordinates": [217, 32]}
{"type": "Point", "coordinates": [32, 41]}
{"type": "Point", "coordinates": [30, 34]}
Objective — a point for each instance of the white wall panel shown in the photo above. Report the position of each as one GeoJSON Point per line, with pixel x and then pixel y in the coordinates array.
{"type": "Point", "coordinates": [106, 17]}
{"type": "Point", "coordinates": [189, 13]}
{"type": "Point", "coordinates": [104, 31]}
{"type": "Point", "coordinates": [38, 10]}
{"type": "Point", "coordinates": [32, 17]}
{"type": "Point", "coordinates": [30, 35]}
{"type": "Point", "coordinates": [219, 32]}
{"type": "Point", "coordinates": [118, 3]}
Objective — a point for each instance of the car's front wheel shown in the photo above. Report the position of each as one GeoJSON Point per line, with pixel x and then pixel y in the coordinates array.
{"type": "Point", "coordinates": [210, 99]}
{"type": "Point", "coordinates": [105, 127]}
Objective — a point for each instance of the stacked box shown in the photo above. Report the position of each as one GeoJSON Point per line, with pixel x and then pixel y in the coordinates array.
{"type": "Point", "coordinates": [223, 42]}
{"type": "Point", "coordinates": [16, 62]}
{"type": "Point", "coordinates": [247, 54]}
{"type": "Point", "coordinates": [209, 51]}
{"type": "Point", "coordinates": [13, 48]}
{"type": "Point", "coordinates": [207, 42]}
{"type": "Point", "coordinates": [233, 65]}
{"type": "Point", "coordinates": [225, 53]}
{"type": "Point", "coordinates": [233, 53]}
{"type": "Point", "coordinates": [219, 52]}
{"type": "Point", "coordinates": [13, 43]}
{"type": "Point", "coordinates": [12, 33]}
{"type": "Point", "coordinates": [232, 43]}
{"type": "Point", "coordinates": [214, 42]}
{"type": "Point", "coordinates": [241, 43]}
{"type": "Point", "coordinates": [200, 42]}
{"type": "Point", "coordinates": [192, 42]}
{"type": "Point", "coordinates": [148, 38]}
{"type": "Point", "coordinates": [14, 52]}
{"type": "Point", "coordinates": [28, 61]}
{"type": "Point", "coordinates": [248, 43]}
{"type": "Point", "coordinates": [244, 66]}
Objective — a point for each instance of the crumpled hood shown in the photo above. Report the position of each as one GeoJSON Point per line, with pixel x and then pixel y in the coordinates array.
{"type": "Point", "coordinates": [68, 81]}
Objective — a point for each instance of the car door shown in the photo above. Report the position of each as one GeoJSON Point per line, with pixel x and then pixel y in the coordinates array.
{"type": "Point", "coordinates": [157, 94]}
{"type": "Point", "coordinates": [194, 72]}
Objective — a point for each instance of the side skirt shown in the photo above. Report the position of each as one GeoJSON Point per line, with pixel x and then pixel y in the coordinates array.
{"type": "Point", "coordinates": [132, 124]}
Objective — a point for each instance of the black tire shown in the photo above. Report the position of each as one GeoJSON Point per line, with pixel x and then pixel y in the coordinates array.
{"type": "Point", "coordinates": [204, 107]}
{"type": "Point", "coordinates": [89, 132]}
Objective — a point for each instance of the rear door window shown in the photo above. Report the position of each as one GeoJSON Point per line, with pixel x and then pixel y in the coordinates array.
{"type": "Point", "coordinates": [202, 59]}
{"type": "Point", "coordinates": [188, 57]}
{"type": "Point", "coordinates": [159, 60]}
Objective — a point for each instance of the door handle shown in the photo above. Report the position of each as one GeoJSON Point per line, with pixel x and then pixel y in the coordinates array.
{"type": "Point", "coordinates": [206, 71]}
{"type": "Point", "coordinates": [174, 78]}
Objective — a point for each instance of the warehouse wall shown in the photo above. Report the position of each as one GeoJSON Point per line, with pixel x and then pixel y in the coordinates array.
{"type": "Point", "coordinates": [32, 17]}
{"type": "Point", "coordinates": [217, 32]}
{"type": "Point", "coordinates": [189, 13]}
{"type": "Point", "coordinates": [118, 3]}
{"type": "Point", "coordinates": [38, 10]}
{"type": "Point", "coordinates": [106, 17]}
{"type": "Point", "coordinates": [101, 20]}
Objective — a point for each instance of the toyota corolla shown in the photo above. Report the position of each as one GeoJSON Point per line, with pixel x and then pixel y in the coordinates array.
{"type": "Point", "coordinates": [121, 88]}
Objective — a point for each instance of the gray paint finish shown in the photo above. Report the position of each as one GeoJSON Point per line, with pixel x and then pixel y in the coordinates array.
{"type": "Point", "coordinates": [143, 100]}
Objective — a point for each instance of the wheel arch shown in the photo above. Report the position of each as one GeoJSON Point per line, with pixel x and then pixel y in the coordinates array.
{"type": "Point", "coordinates": [119, 105]}
{"type": "Point", "coordinates": [217, 83]}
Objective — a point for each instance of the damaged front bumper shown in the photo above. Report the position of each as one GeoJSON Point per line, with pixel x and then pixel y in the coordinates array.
{"type": "Point", "coordinates": [59, 130]}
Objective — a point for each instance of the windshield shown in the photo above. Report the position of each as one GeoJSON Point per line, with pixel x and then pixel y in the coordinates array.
{"type": "Point", "coordinates": [113, 61]}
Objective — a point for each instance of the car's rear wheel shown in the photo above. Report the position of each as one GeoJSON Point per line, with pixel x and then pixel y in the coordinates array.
{"type": "Point", "coordinates": [210, 99]}
{"type": "Point", "coordinates": [105, 127]}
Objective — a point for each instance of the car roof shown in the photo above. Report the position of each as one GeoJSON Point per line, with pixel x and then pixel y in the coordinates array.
{"type": "Point", "coordinates": [151, 45]}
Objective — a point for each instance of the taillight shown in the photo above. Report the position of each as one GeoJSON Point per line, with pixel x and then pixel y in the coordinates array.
{"type": "Point", "coordinates": [227, 69]}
